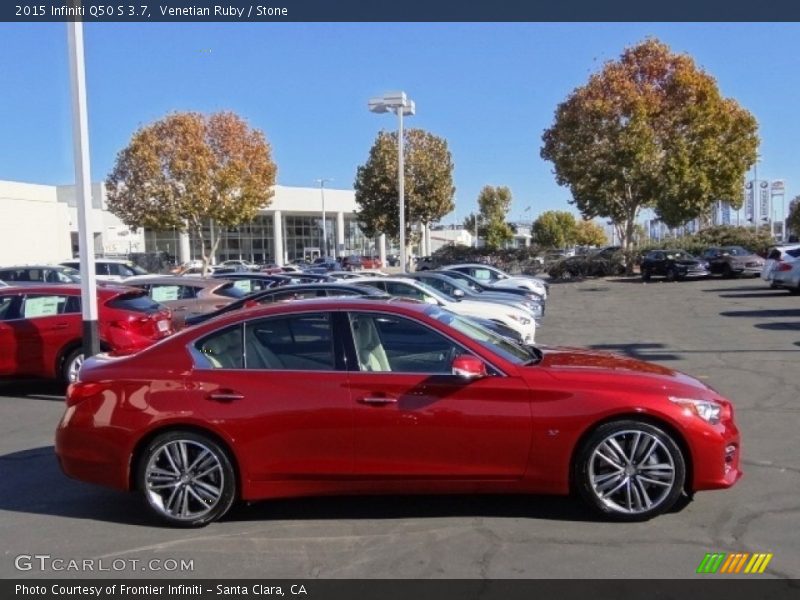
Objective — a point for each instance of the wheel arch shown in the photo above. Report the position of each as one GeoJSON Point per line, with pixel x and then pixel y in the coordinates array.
{"type": "Point", "coordinates": [141, 444]}
{"type": "Point", "coordinates": [69, 347]}
{"type": "Point", "coordinates": [648, 418]}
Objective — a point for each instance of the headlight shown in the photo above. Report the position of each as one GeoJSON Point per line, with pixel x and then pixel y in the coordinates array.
{"type": "Point", "coordinates": [708, 410]}
{"type": "Point", "coordinates": [520, 319]}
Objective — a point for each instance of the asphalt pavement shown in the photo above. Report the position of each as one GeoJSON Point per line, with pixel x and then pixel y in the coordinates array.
{"type": "Point", "coordinates": [737, 335]}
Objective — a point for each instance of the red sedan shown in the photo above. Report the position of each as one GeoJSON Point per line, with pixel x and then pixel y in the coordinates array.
{"type": "Point", "coordinates": [356, 396]}
{"type": "Point", "coordinates": [41, 329]}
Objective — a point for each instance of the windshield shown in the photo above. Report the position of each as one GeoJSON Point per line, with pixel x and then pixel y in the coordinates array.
{"type": "Point", "coordinates": [737, 251]}
{"type": "Point", "coordinates": [679, 255]}
{"type": "Point", "coordinates": [506, 348]}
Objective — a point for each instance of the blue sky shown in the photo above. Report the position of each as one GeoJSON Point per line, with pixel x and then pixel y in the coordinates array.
{"type": "Point", "coordinates": [490, 89]}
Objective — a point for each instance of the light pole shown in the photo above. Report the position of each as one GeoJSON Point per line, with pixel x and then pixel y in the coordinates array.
{"type": "Point", "coordinates": [756, 199]}
{"type": "Point", "coordinates": [398, 103]}
{"type": "Point", "coordinates": [322, 183]}
{"type": "Point", "coordinates": [83, 190]}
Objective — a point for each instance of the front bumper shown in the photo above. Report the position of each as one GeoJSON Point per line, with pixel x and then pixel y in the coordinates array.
{"type": "Point", "coordinates": [717, 457]}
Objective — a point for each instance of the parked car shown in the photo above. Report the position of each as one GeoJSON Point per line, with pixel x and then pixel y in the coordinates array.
{"type": "Point", "coordinates": [271, 402]}
{"type": "Point", "coordinates": [239, 265]}
{"type": "Point", "coordinates": [776, 255]}
{"type": "Point", "coordinates": [325, 265]}
{"type": "Point", "coordinates": [499, 279]}
{"type": "Point", "coordinates": [41, 328]}
{"type": "Point", "coordinates": [352, 263]}
{"type": "Point", "coordinates": [597, 263]}
{"type": "Point", "coordinates": [371, 262]}
{"type": "Point", "coordinates": [672, 264]}
{"type": "Point", "coordinates": [517, 319]}
{"type": "Point", "coordinates": [39, 274]}
{"type": "Point", "coordinates": [458, 290]}
{"type": "Point", "coordinates": [786, 275]}
{"type": "Point", "coordinates": [732, 261]}
{"type": "Point", "coordinates": [424, 263]}
{"type": "Point", "coordinates": [249, 282]}
{"type": "Point", "coordinates": [289, 293]}
{"type": "Point", "coordinates": [479, 286]}
{"type": "Point", "coordinates": [185, 295]}
{"type": "Point", "coordinates": [110, 269]}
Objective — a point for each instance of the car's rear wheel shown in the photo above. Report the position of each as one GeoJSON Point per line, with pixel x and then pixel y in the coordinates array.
{"type": "Point", "coordinates": [187, 478]}
{"type": "Point", "coordinates": [672, 274]}
{"type": "Point", "coordinates": [727, 272]}
{"type": "Point", "coordinates": [645, 274]}
{"type": "Point", "coordinates": [630, 470]}
{"type": "Point", "coordinates": [71, 366]}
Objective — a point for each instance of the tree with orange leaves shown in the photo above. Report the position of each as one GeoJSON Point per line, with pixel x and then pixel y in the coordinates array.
{"type": "Point", "coordinates": [187, 171]}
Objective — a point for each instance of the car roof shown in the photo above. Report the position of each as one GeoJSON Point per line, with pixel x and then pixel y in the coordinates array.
{"type": "Point", "coordinates": [317, 304]}
{"type": "Point", "coordinates": [176, 280]}
{"type": "Point", "coordinates": [71, 289]}
{"type": "Point", "coordinates": [34, 266]}
{"type": "Point", "coordinates": [122, 261]}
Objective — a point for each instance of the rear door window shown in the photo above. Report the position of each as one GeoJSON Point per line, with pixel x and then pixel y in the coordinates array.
{"type": "Point", "coordinates": [136, 302]}
{"type": "Point", "coordinates": [299, 343]}
{"type": "Point", "coordinates": [43, 305]}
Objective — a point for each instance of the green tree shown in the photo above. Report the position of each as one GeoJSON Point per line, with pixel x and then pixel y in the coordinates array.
{"type": "Point", "coordinates": [650, 130]}
{"type": "Point", "coordinates": [793, 220]}
{"type": "Point", "coordinates": [428, 181]}
{"type": "Point", "coordinates": [589, 233]}
{"type": "Point", "coordinates": [555, 229]}
{"type": "Point", "coordinates": [494, 204]}
{"type": "Point", "coordinates": [188, 170]}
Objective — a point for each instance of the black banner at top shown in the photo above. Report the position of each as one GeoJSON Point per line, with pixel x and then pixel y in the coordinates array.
{"type": "Point", "coordinates": [394, 10]}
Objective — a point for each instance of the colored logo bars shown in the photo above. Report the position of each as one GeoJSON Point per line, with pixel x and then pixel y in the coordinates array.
{"type": "Point", "coordinates": [736, 562]}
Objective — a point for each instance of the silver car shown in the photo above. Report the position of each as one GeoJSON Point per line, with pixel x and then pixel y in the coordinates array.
{"type": "Point", "coordinates": [786, 274]}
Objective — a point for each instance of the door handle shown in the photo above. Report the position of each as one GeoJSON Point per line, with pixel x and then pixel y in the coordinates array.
{"type": "Point", "coordinates": [225, 396]}
{"type": "Point", "coordinates": [378, 400]}
{"type": "Point", "coordinates": [59, 326]}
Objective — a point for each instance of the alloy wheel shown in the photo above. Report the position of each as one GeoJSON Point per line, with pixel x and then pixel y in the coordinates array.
{"type": "Point", "coordinates": [73, 367]}
{"type": "Point", "coordinates": [184, 480]}
{"type": "Point", "coordinates": [631, 472]}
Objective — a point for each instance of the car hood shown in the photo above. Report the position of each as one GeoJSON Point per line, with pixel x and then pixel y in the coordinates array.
{"type": "Point", "coordinates": [688, 262]}
{"type": "Point", "coordinates": [585, 364]}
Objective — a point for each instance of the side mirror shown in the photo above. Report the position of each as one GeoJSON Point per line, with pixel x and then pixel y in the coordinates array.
{"type": "Point", "coordinates": [458, 293]}
{"type": "Point", "coordinates": [468, 367]}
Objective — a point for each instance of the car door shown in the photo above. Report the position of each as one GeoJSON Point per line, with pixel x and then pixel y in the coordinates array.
{"type": "Point", "coordinates": [48, 322]}
{"type": "Point", "coordinates": [280, 386]}
{"type": "Point", "coordinates": [414, 419]}
{"type": "Point", "coordinates": [9, 312]}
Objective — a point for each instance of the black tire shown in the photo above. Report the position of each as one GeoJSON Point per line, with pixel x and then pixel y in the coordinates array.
{"type": "Point", "coordinates": [588, 473]}
{"type": "Point", "coordinates": [646, 275]}
{"type": "Point", "coordinates": [68, 365]}
{"type": "Point", "coordinates": [221, 476]}
{"type": "Point", "coordinates": [672, 274]}
{"type": "Point", "coordinates": [727, 272]}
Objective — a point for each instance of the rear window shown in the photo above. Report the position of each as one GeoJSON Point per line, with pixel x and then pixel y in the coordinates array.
{"type": "Point", "coordinates": [229, 290]}
{"type": "Point", "coordinates": [794, 253]}
{"type": "Point", "coordinates": [136, 302]}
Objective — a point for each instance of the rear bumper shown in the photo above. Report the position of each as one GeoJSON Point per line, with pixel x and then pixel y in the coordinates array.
{"type": "Point", "coordinates": [90, 454]}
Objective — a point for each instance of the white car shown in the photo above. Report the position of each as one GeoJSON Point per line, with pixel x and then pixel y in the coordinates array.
{"type": "Point", "coordinates": [499, 279]}
{"type": "Point", "coordinates": [786, 274]}
{"type": "Point", "coordinates": [110, 269]}
{"type": "Point", "coordinates": [514, 318]}
{"type": "Point", "coordinates": [775, 256]}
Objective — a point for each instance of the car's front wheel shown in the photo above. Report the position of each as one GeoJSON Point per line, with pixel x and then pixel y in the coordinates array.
{"type": "Point", "coordinates": [187, 478]}
{"type": "Point", "coordinates": [630, 470]}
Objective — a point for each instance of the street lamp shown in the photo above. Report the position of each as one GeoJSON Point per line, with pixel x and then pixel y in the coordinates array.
{"type": "Point", "coordinates": [398, 103]}
{"type": "Point", "coordinates": [322, 183]}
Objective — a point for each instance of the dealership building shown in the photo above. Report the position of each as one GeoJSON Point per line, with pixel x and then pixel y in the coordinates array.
{"type": "Point", "coordinates": [39, 224]}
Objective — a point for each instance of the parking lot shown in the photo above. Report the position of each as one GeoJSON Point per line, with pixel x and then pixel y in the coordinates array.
{"type": "Point", "coordinates": [737, 335]}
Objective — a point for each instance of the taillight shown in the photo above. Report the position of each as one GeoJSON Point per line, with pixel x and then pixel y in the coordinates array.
{"type": "Point", "coordinates": [784, 266]}
{"type": "Point", "coordinates": [78, 392]}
